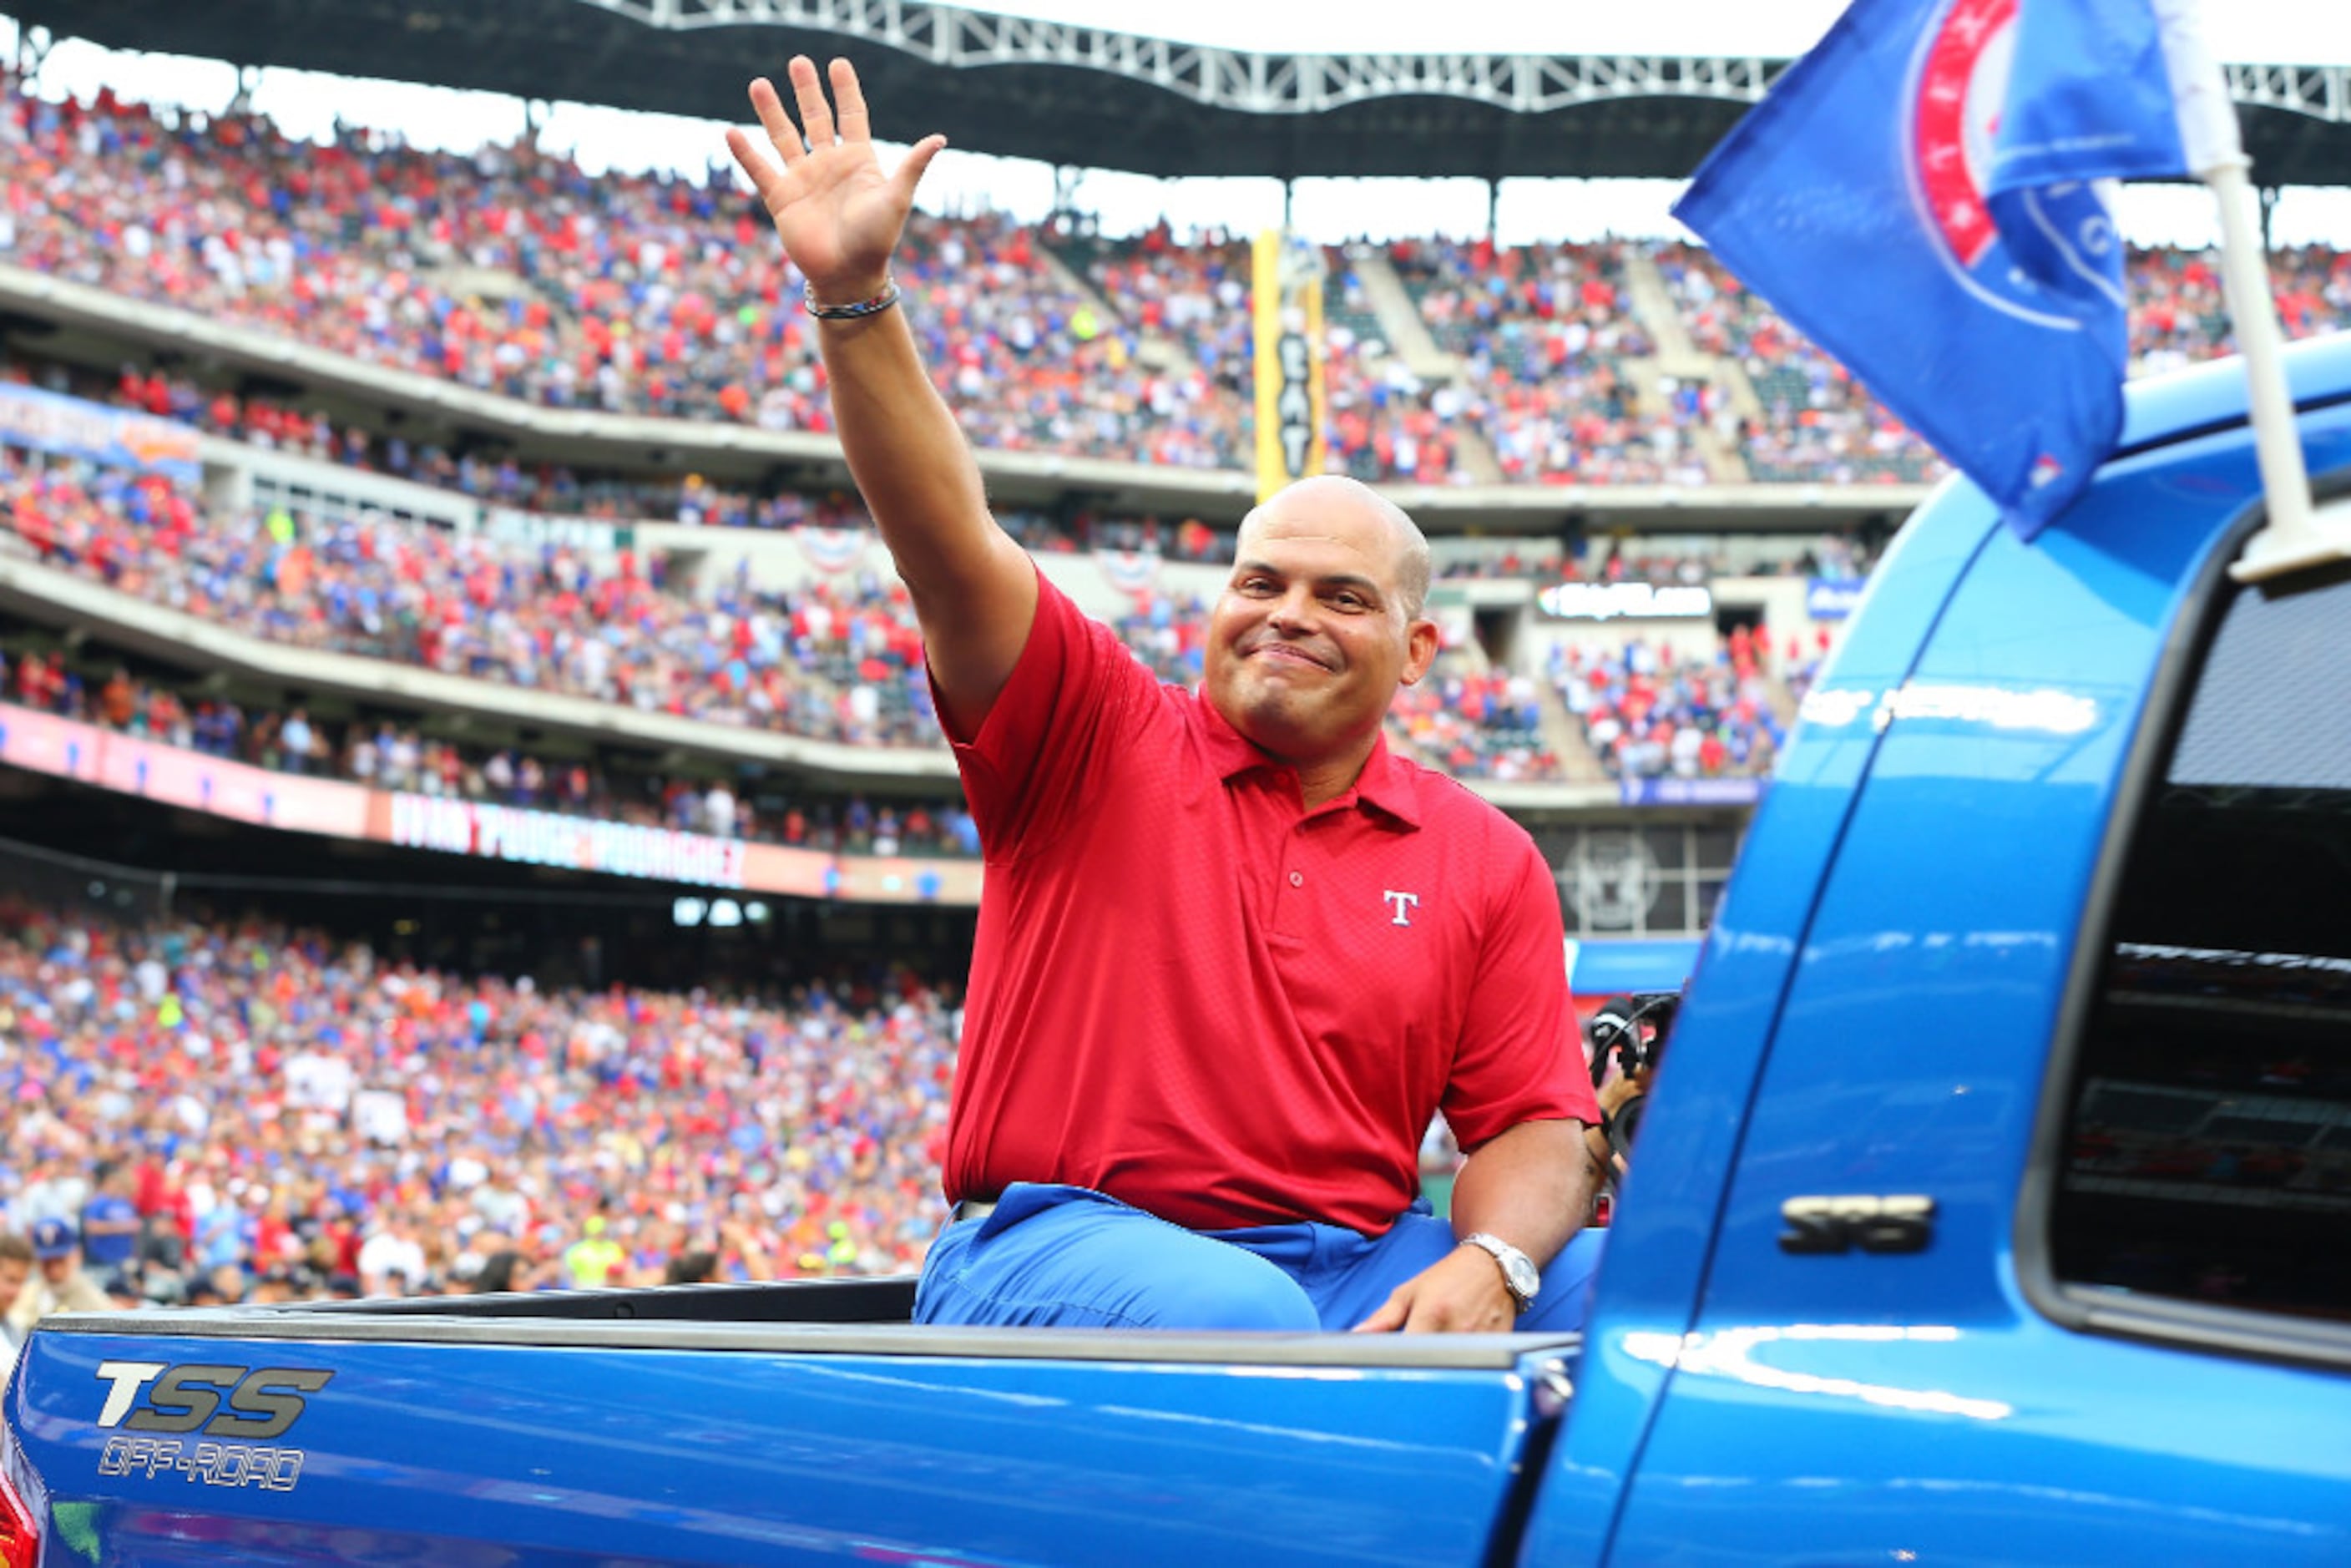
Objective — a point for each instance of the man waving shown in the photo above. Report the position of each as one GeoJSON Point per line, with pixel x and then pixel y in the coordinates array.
{"type": "Point", "coordinates": [1233, 954]}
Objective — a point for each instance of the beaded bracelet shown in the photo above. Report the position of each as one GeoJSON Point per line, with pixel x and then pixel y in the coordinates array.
{"type": "Point", "coordinates": [864, 308]}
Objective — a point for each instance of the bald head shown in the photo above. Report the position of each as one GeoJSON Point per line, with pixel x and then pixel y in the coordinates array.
{"type": "Point", "coordinates": [1412, 564]}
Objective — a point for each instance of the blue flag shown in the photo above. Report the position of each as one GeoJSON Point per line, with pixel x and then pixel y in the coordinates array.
{"type": "Point", "coordinates": [1915, 196]}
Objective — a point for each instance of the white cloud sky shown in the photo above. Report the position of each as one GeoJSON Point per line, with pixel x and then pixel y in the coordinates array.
{"type": "Point", "coordinates": [307, 104]}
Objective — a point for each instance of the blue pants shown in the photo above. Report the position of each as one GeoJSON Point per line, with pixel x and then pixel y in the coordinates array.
{"type": "Point", "coordinates": [1069, 1257]}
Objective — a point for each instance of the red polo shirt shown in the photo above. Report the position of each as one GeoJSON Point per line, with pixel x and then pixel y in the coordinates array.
{"type": "Point", "coordinates": [1192, 993]}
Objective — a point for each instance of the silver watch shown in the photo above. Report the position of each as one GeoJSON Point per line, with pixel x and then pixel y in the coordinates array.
{"type": "Point", "coordinates": [1519, 1275]}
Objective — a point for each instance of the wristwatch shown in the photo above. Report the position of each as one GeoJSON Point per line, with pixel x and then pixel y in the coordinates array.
{"type": "Point", "coordinates": [1519, 1275]}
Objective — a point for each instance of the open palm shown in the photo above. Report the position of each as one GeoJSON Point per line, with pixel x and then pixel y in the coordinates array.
{"type": "Point", "coordinates": [838, 214]}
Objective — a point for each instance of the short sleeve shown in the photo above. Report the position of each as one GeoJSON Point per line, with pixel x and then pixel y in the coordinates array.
{"type": "Point", "coordinates": [1052, 735]}
{"type": "Point", "coordinates": [1519, 1059]}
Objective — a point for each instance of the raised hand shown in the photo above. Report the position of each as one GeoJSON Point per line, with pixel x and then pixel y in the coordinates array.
{"type": "Point", "coordinates": [838, 214]}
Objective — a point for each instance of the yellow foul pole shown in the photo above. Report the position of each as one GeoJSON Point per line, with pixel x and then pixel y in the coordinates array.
{"type": "Point", "coordinates": [1286, 304]}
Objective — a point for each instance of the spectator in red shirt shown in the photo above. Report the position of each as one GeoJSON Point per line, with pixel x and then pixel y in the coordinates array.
{"type": "Point", "coordinates": [1234, 955]}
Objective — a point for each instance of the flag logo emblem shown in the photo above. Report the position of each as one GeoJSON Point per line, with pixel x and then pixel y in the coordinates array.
{"type": "Point", "coordinates": [2047, 255]}
{"type": "Point", "coordinates": [1920, 195]}
{"type": "Point", "coordinates": [1962, 79]}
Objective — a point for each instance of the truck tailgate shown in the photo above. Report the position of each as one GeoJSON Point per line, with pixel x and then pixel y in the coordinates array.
{"type": "Point", "coordinates": [307, 1438]}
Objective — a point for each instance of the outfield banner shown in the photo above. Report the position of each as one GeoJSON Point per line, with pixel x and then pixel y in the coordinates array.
{"type": "Point", "coordinates": [1691, 791]}
{"type": "Point", "coordinates": [881, 879]}
{"type": "Point", "coordinates": [1286, 309]}
{"type": "Point", "coordinates": [1833, 597]}
{"type": "Point", "coordinates": [567, 842]}
{"type": "Point", "coordinates": [1623, 601]}
{"type": "Point", "coordinates": [661, 855]}
{"type": "Point", "coordinates": [67, 748]}
{"type": "Point", "coordinates": [47, 421]}
{"type": "Point", "coordinates": [536, 530]}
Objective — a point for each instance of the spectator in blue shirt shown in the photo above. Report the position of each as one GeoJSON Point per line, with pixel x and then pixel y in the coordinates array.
{"type": "Point", "coordinates": [109, 1224]}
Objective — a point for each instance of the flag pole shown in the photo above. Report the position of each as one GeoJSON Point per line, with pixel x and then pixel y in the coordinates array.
{"type": "Point", "coordinates": [2294, 537]}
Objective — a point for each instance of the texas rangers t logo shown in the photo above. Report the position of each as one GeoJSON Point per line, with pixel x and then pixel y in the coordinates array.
{"type": "Point", "coordinates": [1403, 903]}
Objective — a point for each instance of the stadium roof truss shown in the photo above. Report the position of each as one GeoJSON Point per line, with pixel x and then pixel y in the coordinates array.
{"type": "Point", "coordinates": [1090, 96]}
{"type": "Point", "coordinates": [1218, 77]}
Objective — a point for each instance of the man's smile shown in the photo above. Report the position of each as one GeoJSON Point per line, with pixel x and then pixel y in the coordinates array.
{"type": "Point", "coordinates": [1287, 654]}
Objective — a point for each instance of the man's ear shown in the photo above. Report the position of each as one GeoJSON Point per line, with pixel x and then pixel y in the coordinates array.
{"type": "Point", "coordinates": [1420, 649]}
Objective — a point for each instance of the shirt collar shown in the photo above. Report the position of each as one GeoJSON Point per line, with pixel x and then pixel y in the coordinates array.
{"type": "Point", "coordinates": [1385, 784]}
{"type": "Point", "coordinates": [1388, 783]}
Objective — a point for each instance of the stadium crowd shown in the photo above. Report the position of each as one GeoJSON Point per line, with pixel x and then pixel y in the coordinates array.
{"type": "Point", "coordinates": [1815, 423]}
{"type": "Point", "coordinates": [636, 296]}
{"type": "Point", "coordinates": [1476, 724]}
{"type": "Point", "coordinates": [839, 660]}
{"type": "Point", "coordinates": [554, 489]}
{"type": "Point", "coordinates": [1544, 332]}
{"type": "Point", "coordinates": [513, 271]}
{"type": "Point", "coordinates": [1185, 307]}
{"type": "Point", "coordinates": [2177, 316]}
{"type": "Point", "coordinates": [1649, 710]}
{"type": "Point", "coordinates": [230, 1110]}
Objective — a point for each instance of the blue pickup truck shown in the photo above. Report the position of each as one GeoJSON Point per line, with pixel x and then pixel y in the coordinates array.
{"type": "Point", "coordinates": [1994, 1206]}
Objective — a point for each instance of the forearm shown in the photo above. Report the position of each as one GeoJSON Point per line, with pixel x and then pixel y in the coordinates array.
{"type": "Point", "coordinates": [973, 589]}
{"type": "Point", "coordinates": [841, 219]}
{"type": "Point", "coordinates": [1531, 1187]}
{"type": "Point", "coordinates": [907, 454]}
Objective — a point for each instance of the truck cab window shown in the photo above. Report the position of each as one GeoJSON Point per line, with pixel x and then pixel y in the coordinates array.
{"type": "Point", "coordinates": [2208, 1151]}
